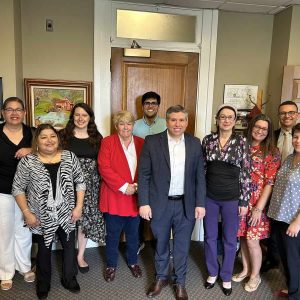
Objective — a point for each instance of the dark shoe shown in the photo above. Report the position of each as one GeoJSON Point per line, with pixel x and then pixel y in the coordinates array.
{"type": "Point", "coordinates": [209, 285]}
{"type": "Point", "coordinates": [135, 270]}
{"type": "Point", "coordinates": [227, 292]}
{"type": "Point", "coordinates": [268, 265]}
{"type": "Point", "coordinates": [180, 292]}
{"type": "Point", "coordinates": [109, 274]}
{"type": "Point", "coordinates": [71, 285]}
{"type": "Point", "coordinates": [83, 269]}
{"type": "Point", "coordinates": [156, 287]}
{"type": "Point", "coordinates": [42, 290]}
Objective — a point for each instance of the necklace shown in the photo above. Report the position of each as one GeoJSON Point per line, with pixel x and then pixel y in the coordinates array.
{"type": "Point", "coordinates": [47, 159]}
{"type": "Point", "coordinates": [221, 147]}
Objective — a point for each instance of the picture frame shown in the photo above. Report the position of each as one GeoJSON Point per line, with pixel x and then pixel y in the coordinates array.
{"type": "Point", "coordinates": [51, 101]}
{"type": "Point", "coordinates": [244, 98]}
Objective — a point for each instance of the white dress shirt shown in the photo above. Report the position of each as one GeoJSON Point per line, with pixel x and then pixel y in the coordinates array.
{"type": "Point", "coordinates": [130, 154]}
{"type": "Point", "coordinates": [177, 164]}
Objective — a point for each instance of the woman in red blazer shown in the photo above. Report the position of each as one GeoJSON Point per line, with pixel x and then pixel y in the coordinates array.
{"type": "Point", "coordinates": [117, 160]}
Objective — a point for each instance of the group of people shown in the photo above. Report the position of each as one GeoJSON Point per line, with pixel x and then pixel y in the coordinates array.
{"type": "Point", "coordinates": [150, 169]}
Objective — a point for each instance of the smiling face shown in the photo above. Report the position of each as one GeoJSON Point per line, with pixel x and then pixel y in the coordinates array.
{"type": "Point", "coordinates": [81, 118]}
{"type": "Point", "coordinates": [13, 113]}
{"type": "Point", "coordinates": [124, 129]}
{"type": "Point", "coordinates": [47, 142]}
{"type": "Point", "coordinates": [259, 131]}
{"type": "Point", "coordinates": [150, 108]}
{"type": "Point", "coordinates": [177, 123]}
{"type": "Point", "coordinates": [226, 119]}
{"type": "Point", "coordinates": [296, 141]}
{"type": "Point", "coordinates": [288, 116]}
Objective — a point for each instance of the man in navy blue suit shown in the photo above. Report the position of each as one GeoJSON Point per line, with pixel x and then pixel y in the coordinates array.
{"type": "Point", "coordinates": [171, 194]}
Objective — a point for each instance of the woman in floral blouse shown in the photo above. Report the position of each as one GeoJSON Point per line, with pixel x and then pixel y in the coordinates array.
{"type": "Point", "coordinates": [255, 226]}
{"type": "Point", "coordinates": [228, 191]}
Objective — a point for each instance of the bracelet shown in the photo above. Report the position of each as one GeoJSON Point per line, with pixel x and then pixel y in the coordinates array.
{"type": "Point", "coordinates": [25, 210]}
{"type": "Point", "coordinates": [257, 209]}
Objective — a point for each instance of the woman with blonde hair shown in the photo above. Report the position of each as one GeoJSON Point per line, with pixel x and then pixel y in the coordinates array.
{"type": "Point", "coordinates": [117, 161]}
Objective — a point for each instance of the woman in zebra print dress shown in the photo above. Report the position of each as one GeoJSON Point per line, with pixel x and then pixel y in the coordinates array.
{"type": "Point", "coordinates": [82, 137]}
{"type": "Point", "coordinates": [45, 186]}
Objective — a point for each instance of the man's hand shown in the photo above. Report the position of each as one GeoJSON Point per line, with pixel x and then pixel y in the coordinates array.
{"type": "Point", "coordinates": [145, 212]}
{"type": "Point", "coordinates": [199, 212]}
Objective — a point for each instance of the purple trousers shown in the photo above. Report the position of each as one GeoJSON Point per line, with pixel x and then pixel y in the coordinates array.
{"type": "Point", "coordinates": [230, 221]}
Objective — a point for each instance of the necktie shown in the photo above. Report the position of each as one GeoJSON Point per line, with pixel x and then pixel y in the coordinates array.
{"type": "Point", "coordinates": [285, 147]}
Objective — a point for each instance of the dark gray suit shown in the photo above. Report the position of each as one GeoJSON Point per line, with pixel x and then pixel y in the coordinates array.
{"type": "Point", "coordinates": [154, 183]}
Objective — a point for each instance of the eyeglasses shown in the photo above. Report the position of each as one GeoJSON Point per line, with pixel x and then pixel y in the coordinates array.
{"type": "Point", "coordinates": [147, 103]}
{"type": "Point", "coordinates": [11, 110]}
{"type": "Point", "coordinates": [263, 129]}
{"type": "Point", "coordinates": [288, 113]}
{"type": "Point", "coordinates": [229, 118]}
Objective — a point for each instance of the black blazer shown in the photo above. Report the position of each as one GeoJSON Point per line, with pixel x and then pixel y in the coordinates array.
{"type": "Point", "coordinates": [155, 175]}
{"type": "Point", "coordinates": [276, 135]}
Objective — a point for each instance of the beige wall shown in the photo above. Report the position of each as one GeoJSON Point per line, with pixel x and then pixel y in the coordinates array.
{"type": "Point", "coordinates": [294, 46]}
{"type": "Point", "coordinates": [279, 56]}
{"type": "Point", "coordinates": [10, 49]}
{"type": "Point", "coordinates": [65, 53]}
{"type": "Point", "coordinates": [243, 51]}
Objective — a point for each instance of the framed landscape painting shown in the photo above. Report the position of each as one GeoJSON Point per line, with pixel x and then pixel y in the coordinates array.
{"type": "Point", "coordinates": [51, 101]}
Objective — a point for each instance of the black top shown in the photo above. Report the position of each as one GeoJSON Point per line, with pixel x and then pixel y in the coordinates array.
{"type": "Point", "coordinates": [53, 169]}
{"type": "Point", "coordinates": [222, 180]}
{"type": "Point", "coordinates": [82, 148]}
{"type": "Point", "coordinates": [8, 162]}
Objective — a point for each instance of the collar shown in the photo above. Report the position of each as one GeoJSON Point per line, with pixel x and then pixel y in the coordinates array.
{"type": "Point", "coordinates": [144, 119]}
{"type": "Point", "coordinates": [170, 139]}
{"type": "Point", "coordinates": [122, 143]}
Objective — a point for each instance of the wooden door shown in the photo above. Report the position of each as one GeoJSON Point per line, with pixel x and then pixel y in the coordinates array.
{"type": "Point", "coordinates": [173, 75]}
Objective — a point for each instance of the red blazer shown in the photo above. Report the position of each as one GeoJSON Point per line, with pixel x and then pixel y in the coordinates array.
{"type": "Point", "coordinates": [115, 172]}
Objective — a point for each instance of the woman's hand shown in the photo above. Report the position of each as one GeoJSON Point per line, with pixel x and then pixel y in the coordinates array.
{"type": "Point", "coordinates": [76, 214]}
{"type": "Point", "coordinates": [22, 152]}
{"type": "Point", "coordinates": [293, 229]}
{"type": "Point", "coordinates": [243, 211]}
{"type": "Point", "coordinates": [30, 219]}
{"type": "Point", "coordinates": [255, 217]}
{"type": "Point", "coordinates": [131, 189]}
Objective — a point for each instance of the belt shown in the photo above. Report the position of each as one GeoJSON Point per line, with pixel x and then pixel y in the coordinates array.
{"type": "Point", "coordinates": [176, 197]}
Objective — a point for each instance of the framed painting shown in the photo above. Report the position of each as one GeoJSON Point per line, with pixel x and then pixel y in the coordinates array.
{"type": "Point", "coordinates": [51, 101]}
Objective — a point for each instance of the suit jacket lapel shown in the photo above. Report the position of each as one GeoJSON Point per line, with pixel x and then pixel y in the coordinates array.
{"type": "Point", "coordinates": [165, 147]}
{"type": "Point", "coordinates": [187, 143]}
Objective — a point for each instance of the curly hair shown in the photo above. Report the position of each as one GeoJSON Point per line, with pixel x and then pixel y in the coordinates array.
{"type": "Point", "coordinates": [67, 133]}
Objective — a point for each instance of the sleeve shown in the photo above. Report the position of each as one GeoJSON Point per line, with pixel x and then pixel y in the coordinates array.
{"type": "Point", "coordinates": [22, 178]}
{"type": "Point", "coordinates": [245, 173]}
{"type": "Point", "coordinates": [144, 175]}
{"type": "Point", "coordinates": [272, 163]}
{"type": "Point", "coordinates": [200, 180]}
{"type": "Point", "coordinates": [113, 180]}
{"type": "Point", "coordinates": [204, 153]}
{"type": "Point", "coordinates": [77, 174]}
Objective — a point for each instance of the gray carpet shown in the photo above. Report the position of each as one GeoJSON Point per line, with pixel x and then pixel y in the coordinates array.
{"type": "Point", "coordinates": [126, 287]}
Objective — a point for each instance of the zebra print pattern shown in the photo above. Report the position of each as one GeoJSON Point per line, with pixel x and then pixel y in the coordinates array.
{"type": "Point", "coordinates": [33, 179]}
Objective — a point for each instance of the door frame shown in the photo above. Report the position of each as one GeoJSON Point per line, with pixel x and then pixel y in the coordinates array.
{"type": "Point", "coordinates": [104, 25]}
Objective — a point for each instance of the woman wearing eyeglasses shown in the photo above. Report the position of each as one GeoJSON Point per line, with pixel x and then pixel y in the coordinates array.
{"type": "Point", "coordinates": [15, 241]}
{"type": "Point", "coordinates": [255, 226]}
{"type": "Point", "coordinates": [228, 192]}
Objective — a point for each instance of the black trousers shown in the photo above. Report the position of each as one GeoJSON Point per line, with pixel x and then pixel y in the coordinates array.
{"type": "Point", "coordinates": [272, 254]}
{"type": "Point", "coordinates": [43, 262]}
{"type": "Point", "coordinates": [289, 250]}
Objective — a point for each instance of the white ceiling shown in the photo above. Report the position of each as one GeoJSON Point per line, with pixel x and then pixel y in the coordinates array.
{"type": "Point", "coordinates": [247, 6]}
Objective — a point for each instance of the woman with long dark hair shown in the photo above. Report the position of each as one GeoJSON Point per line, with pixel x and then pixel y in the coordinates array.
{"type": "Point", "coordinates": [82, 137]}
{"type": "Point", "coordinates": [255, 226]}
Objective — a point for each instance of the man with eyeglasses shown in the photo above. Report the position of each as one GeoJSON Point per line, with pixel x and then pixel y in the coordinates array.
{"type": "Point", "coordinates": [151, 123]}
{"type": "Point", "coordinates": [288, 115]}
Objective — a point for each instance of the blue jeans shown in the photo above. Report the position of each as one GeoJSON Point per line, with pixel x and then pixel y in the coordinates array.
{"type": "Point", "coordinates": [114, 226]}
